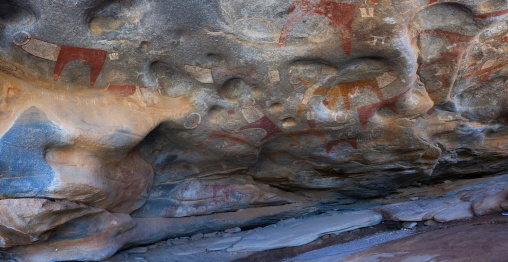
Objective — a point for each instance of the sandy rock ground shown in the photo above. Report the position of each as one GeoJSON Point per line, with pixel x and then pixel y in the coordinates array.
{"type": "Point", "coordinates": [481, 239]}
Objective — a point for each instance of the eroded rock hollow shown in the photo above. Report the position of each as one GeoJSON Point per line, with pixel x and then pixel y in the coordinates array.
{"type": "Point", "coordinates": [129, 122]}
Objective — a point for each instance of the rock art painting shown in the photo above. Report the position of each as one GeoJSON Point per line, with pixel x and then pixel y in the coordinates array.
{"type": "Point", "coordinates": [124, 123]}
{"type": "Point", "coordinates": [62, 54]}
{"type": "Point", "coordinates": [341, 17]}
{"type": "Point", "coordinates": [94, 58]}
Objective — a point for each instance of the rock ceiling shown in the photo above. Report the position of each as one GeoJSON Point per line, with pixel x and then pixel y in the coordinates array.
{"type": "Point", "coordinates": [118, 116]}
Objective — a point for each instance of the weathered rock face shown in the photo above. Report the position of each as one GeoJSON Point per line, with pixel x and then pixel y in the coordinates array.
{"type": "Point", "coordinates": [125, 118]}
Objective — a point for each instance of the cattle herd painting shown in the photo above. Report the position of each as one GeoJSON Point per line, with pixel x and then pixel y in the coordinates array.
{"type": "Point", "coordinates": [125, 123]}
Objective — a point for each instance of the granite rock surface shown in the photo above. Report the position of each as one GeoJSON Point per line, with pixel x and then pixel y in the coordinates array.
{"type": "Point", "coordinates": [128, 122]}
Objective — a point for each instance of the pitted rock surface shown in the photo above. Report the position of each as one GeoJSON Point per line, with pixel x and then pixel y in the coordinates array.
{"type": "Point", "coordinates": [129, 122]}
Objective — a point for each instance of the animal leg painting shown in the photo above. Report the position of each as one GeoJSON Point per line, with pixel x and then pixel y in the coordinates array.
{"type": "Point", "coordinates": [262, 122]}
{"type": "Point", "coordinates": [368, 111]}
{"type": "Point", "coordinates": [348, 88]}
{"type": "Point", "coordinates": [93, 57]}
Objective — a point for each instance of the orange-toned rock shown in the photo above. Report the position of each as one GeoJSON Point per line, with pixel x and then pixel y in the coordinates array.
{"type": "Point", "coordinates": [25, 220]}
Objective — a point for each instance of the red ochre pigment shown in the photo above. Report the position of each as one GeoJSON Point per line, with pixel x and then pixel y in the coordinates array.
{"type": "Point", "coordinates": [93, 57]}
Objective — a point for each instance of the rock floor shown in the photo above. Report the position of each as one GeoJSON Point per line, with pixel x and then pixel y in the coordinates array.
{"type": "Point", "coordinates": [482, 238]}
{"type": "Point", "coordinates": [336, 235]}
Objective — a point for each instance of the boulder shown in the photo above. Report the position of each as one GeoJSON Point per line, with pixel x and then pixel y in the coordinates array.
{"type": "Point", "coordinates": [459, 211]}
{"type": "Point", "coordinates": [25, 220]}
{"type": "Point", "coordinates": [420, 210]}
{"type": "Point", "coordinates": [504, 205]}
{"type": "Point", "coordinates": [490, 201]}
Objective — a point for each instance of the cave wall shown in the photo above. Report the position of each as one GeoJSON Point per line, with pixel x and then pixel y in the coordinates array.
{"type": "Point", "coordinates": [127, 122]}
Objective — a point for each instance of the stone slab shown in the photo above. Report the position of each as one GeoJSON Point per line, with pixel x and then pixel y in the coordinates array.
{"type": "Point", "coordinates": [302, 231]}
